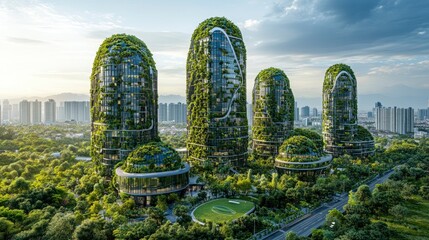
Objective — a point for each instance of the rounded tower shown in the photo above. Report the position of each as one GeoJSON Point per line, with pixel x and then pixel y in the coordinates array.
{"type": "Point", "coordinates": [123, 100]}
{"type": "Point", "coordinates": [216, 95]}
{"type": "Point", "coordinates": [339, 117]}
{"type": "Point", "coordinates": [299, 155]}
{"type": "Point", "coordinates": [273, 111]}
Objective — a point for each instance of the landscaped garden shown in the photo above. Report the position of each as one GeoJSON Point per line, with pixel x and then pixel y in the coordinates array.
{"type": "Point", "coordinates": [222, 210]}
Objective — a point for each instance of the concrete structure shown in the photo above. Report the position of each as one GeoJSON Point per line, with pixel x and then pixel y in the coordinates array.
{"type": "Point", "coordinates": [6, 112]}
{"type": "Point", "coordinates": [25, 112]}
{"type": "Point", "coordinates": [36, 112]}
{"type": "Point", "coordinates": [162, 112]}
{"type": "Point", "coordinates": [314, 112]}
{"type": "Point", "coordinates": [249, 114]}
{"type": "Point", "coordinates": [50, 111]}
{"type": "Point", "coordinates": [296, 112]}
{"type": "Point", "coordinates": [305, 112]}
{"type": "Point", "coordinates": [177, 112]}
{"type": "Point", "coordinates": [77, 111]}
{"type": "Point", "coordinates": [394, 119]}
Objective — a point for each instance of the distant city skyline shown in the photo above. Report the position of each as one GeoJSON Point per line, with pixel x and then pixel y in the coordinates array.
{"type": "Point", "coordinates": [47, 45]}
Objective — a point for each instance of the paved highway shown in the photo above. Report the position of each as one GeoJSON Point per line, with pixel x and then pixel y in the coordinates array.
{"type": "Point", "coordinates": [304, 226]}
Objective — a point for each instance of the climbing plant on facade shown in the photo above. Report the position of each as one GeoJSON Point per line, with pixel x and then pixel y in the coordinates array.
{"type": "Point", "coordinates": [123, 99]}
{"type": "Point", "coordinates": [216, 94]}
{"type": "Point", "coordinates": [273, 111]}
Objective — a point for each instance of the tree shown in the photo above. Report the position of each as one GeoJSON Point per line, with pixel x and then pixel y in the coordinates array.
{"type": "Point", "coordinates": [182, 213]}
{"type": "Point", "coordinates": [6, 228]}
{"type": "Point", "coordinates": [399, 211]}
{"type": "Point", "coordinates": [424, 192]}
{"type": "Point", "coordinates": [292, 236]}
{"type": "Point", "coordinates": [92, 229]}
{"type": "Point", "coordinates": [137, 230]}
{"type": "Point", "coordinates": [161, 203]}
{"type": "Point", "coordinates": [156, 214]}
{"type": "Point", "coordinates": [61, 226]}
{"type": "Point", "coordinates": [19, 185]}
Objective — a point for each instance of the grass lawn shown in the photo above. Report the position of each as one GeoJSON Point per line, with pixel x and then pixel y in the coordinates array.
{"type": "Point", "coordinates": [415, 226]}
{"type": "Point", "coordinates": [221, 210]}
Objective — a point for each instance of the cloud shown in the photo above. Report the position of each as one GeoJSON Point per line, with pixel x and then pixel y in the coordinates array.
{"type": "Point", "coordinates": [251, 24]}
{"type": "Point", "coordinates": [25, 40]}
{"type": "Point", "coordinates": [349, 27]}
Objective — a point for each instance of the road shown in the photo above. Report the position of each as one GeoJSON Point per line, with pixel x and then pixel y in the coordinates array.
{"type": "Point", "coordinates": [304, 226]}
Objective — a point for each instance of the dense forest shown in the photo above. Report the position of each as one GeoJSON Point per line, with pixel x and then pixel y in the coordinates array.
{"type": "Point", "coordinates": [46, 195]}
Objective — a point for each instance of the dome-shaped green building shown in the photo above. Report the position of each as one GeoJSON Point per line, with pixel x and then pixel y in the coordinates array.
{"type": "Point", "coordinates": [216, 94]}
{"type": "Point", "coordinates": [152, 169]}
{"type": "Point", "coordinates": [299, 155]}
{"type": "Point", "coordinates": [339, 118]}
{"type": "Point", "coordinates": [123, 100]}
{"type": "Point", "coordinates": [273, 112]}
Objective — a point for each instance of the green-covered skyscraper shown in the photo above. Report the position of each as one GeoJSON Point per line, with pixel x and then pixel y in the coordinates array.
{"type": "Point", "coordinates": [216, 94]}
{"type": "Point", "coordinates": [273, 111]}
{"type": "Point", "coordinates": [341, 132]}
{"type": "Point", "coordinates": [123, 100]}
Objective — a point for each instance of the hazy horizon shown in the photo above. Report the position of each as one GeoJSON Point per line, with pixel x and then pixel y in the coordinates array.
{"type": "Point", "coordinates": [48, 46]}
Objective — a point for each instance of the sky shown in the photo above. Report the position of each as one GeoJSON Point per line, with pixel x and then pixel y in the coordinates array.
{"type": "Point", "coordinates": [47, 47]}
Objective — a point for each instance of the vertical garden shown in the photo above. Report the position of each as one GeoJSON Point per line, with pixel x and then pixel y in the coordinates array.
{"type": "Point", "coordinates": [216, 94]}
{"type": "Point", "coordinates": [273, 111]}
{"type": "Point", "coordinates": [123, 99]}
{"type": "Point", "coordinates": [339, 118]}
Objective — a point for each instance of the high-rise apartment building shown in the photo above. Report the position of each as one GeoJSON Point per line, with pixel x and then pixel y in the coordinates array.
{"type": "Point", "coordinates": [6, 112]}
{"type": "Point", "coordinates": [394, 119]}
{"type": "Point", "coordinates": [341, 132]}
{"type": "Point", "coordinates": [273, 111]}
{"type": "Point", "coordinates": [15, 113]}
{"type": "Point", "coordinates": [314, 112]}
{"type": "Point", "coordinates": [249, 114]}
{"type": "Point", "coordinates": [36, 112]}
{"type": "Point", "coordinates": [60, 112]}
{"type": "Point", "coordinates": [296, 118]}
{"type": "Point", "coordinates": [77, 111]}
{"type": "Point", "coordinates": [422, 114]}
{"type": "Point", "coordinates": [50, 111]}
{"type": "Point", "coordinates": [25, 112]}
{"type": "Point", "coordinates": [162, 112]}
{"type": "Point", "coordinates": [305, 112]}
{"type": "Point", "coordinates": [216, 94]}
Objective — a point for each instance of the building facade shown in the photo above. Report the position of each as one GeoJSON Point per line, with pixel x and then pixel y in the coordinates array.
{"type": "Point", "coordinates": [36, 112]}
{"type": "Point", "coordinates": [123, 100]}
{"type": "Point", "coordinates": [341, 133]}
{"type": "Point", "coordinates": [216, 94]}
{"type": "Point", "coordinates": [177, 112]}
{"type": "Point", "coordinates": [296, 118]}
{"type": "Point", "coordinates": [273, 112]}
{"type": "Point", "coordinates": [299, 155]}
{"type": "Point", "coordinates": [77, 111]}
{"type": "Point", "coordinates": [25, 112]}
{"type": "Point", "coordinates": [305, 112]}
{"type": "Point", "coordinates": [394, 119]}
{"type": "Point", "coordinates": [162, 112]}
{"type": "Point", "coordinates": [152, 169]}
{"type": "Point", "coordinates": [6, 112]}
{"type": "Point", "coordinates": [50, 111]}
